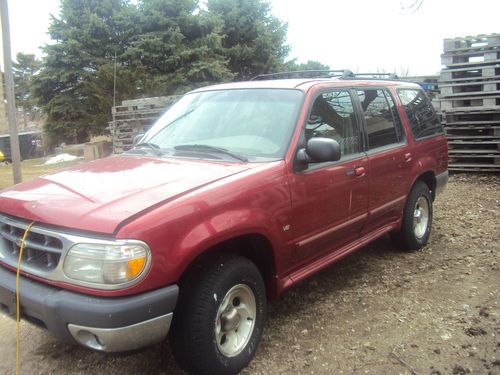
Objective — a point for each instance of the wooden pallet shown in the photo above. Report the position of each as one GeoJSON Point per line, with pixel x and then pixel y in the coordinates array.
{"type": "Point", "coordinates": [471, 138]}
{"type": "Point", "coordinates": [474, 167]}
{"type": "Point", "coordinates": [477, 153]}
{"type": "Point", "coordinates": [470, 57]}
{"type": "Point", "coordinates": [485, 161]}
{"type": "Point", "coordinates": [471, 103]}
{"type": "Point", "coordinates": [478, 144]}
{"type": "Point", "coordinates": [135, 117]}
{"type": "Point", "coordinates": [471, 43]}
{"type": "Point", "coordinates": [473, 117]}
{"type": "Point", "coordinates": [460, 168]}
{"type": "Point", "coordinates": [451, 90]}
{"type": "Point", "coordinates": [471, 73]}
{"type": "Point", "coordinates": [472, 127]}
{"type": "Point", "coordinates": [474, 64]}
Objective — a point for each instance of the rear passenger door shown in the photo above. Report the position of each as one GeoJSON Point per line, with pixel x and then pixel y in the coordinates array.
{"type": "Point", "coordinates": [388, 158]}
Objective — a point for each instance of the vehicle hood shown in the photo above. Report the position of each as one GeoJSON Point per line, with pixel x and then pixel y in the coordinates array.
{"type": "Point", "coordinates": [99, 195]}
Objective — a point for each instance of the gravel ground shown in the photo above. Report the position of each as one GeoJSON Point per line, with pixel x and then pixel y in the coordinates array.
{"type": "Point", "coordinates": [378, 311]}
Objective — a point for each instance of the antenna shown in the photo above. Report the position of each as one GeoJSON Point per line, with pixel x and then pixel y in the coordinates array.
{"type": "Point", "coordinates": [114, 94]}
{"type": "Point", "coordinates": [114, 83]}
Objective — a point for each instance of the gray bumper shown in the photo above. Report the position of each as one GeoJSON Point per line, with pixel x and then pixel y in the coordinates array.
{"type": "Point", "coordinates": [102, 323]}
{"type": "Point", "coordinates": [441, 181]}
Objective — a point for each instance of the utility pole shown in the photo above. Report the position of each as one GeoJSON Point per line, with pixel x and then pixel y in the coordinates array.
{"type": "Point", "coordinates": [9, 93]}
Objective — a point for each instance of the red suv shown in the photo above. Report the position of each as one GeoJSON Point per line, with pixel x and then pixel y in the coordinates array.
{"type": "Point", "coordinates": [238, 192]}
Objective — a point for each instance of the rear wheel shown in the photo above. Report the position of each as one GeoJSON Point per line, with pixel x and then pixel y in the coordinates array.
{"type": "Point", "coordinates": [417, 219]}
{"type": "Point", "coordinates": [220, 316]}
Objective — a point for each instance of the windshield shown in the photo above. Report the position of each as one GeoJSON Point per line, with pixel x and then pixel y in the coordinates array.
{"type": "Point", "coordinates": [255, 124]}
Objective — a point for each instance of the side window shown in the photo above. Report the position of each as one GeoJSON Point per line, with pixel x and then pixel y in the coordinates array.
{"type": "Point", "coordinates": [382, 120]}
{"type": "Point", "coordinates": [332, 116]}
{"type": "Point", "coordinates": [395, 115]}
{"type": "Point", "coordinates": [421, 115]}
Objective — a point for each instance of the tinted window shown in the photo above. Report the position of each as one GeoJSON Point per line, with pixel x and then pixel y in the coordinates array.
{"type": "Point", "coordinates": [382, 120]}
{"type": "Point", "coordinates": [332, 116]}
{"type": "Point", "coordinates": [421, 115]}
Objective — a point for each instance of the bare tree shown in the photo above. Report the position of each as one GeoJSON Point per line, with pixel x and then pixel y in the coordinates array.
{"type": "Point", "coordinates": [411, 6]}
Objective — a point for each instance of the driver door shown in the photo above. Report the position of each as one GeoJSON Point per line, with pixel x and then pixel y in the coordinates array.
{"type": "Point", "coordinates": [330, 200]}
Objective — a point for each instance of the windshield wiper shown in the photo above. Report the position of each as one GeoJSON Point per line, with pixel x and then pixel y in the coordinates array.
{"type": "Point", "coordinates": [208, 148]}
{"type": "Point", "coordinates": [153, 147]}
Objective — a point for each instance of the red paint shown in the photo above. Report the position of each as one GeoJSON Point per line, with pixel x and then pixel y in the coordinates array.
{"type": "Point", "coordinates": [181, 208]}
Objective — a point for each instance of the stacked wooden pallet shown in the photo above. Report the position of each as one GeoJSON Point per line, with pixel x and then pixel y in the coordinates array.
{"type": "Point", "coordinates": [134, 117]}
{"type": "Point", "coordinates": [470, 101]}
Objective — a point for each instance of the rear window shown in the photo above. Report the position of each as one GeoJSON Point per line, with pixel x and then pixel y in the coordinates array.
{"type": "Point", "coordinates": [423, 119]}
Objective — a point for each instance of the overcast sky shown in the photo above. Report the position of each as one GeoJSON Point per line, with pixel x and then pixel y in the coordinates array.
{"type": "Point", "coordinates": [361, 35]}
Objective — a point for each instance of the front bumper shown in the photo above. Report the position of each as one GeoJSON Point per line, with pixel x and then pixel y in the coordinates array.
{"type": "Point", "coordinates": [111, 324]}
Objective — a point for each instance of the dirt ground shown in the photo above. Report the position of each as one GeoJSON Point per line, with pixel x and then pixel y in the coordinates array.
{"type": "Point", "coordinates": [379, 311]}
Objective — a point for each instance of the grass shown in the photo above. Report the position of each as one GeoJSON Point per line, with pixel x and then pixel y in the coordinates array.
{"type": "Point", "coordinates": [30, 169]}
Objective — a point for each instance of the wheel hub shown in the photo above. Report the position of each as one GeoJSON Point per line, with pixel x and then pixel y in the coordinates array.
{"type": "Point", "coordinates": [235, 320]}
{"type": "Point", "coordinates": [230, 320]}
{"type": "Point", "coordinates": [421, 217]}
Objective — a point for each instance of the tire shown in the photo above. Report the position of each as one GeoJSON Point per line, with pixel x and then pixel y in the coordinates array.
{"type": "Point", "coordinates": [417, 219]}
{"type": "Point", "coordinates": [224, 299]}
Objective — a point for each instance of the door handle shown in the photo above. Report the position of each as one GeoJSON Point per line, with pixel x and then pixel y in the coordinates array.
{"type": "Point", "coordinates": [358, 171]}
{"type": "Point", "coordinates": [408, 156]}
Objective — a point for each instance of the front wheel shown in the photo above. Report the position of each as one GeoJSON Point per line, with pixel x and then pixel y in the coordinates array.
{"type": "Point", "coordinates": [417, 219]}
{"type": "Point", "coordinates": [220, 316]}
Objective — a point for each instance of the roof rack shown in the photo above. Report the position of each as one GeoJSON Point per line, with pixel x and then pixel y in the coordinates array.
{"type": "Point", "coordinates": [342, 74]}
{"type": "Point", "coordinates": [390, 76]}
{"type": "Point", "coordinates": [303, 74]}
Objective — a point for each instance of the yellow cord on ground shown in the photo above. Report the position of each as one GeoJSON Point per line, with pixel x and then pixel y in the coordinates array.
{"type": "Point", "coordinates": [18, 312]}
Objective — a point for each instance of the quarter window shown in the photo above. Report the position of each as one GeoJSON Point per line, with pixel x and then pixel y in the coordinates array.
{"type": "Point", "coordinates": [423, 119]}
{"type": "Point", "coordinates": [332, 116]}
{"type": "Point", "coordinates": [382, 120]}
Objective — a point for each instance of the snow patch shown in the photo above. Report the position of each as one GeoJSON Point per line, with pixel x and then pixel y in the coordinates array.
{"type": "Point", "coordinates": [61, 158]}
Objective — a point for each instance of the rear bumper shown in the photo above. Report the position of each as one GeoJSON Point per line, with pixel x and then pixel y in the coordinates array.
{"type": "Point", "coordinates": [103, 323]}
{"type": "Point", "coordinates": [441, 181]}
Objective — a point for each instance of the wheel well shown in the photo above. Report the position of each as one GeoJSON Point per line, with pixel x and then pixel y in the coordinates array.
{"type": "Point", "coordinates": [430, 181]}
{"type": "Point", "coordinates": [255, 247]}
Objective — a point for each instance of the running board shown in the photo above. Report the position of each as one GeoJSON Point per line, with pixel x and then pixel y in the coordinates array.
{"type": "Point", "coordinates": [332, 257]}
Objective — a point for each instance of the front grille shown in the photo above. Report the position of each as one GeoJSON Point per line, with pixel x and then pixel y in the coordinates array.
{"type": "Point", "coordinates": [41, 252]}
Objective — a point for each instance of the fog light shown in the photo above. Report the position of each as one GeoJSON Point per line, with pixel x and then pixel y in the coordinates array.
{"type": "Point", "coordinates": [88, 339]}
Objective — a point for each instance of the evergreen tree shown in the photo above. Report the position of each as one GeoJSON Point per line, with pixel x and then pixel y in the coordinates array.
{"type": "Point", "coordinates": [75, 85]}
{"type": "Point", "coordinates": [178, 47]}
{"type": "Point", "coordinates": [162, 47]}
{"type": "Point", "coordinates": [254, 38]}
{"type": "Point", "coordinates": [309, 65]}
{"type": "Point", "coordinates": [24, 68]}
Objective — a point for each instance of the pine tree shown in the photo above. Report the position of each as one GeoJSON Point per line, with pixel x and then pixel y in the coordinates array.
{"type": "Point", "coordinates": [309, 65]}
{"type": "Point", "coordinates": [25, 67]}
{"type": "Point", "coordinates": [75, 85]}
{"type": "Point", "coordinates": [254, 39]}
{"type": "Point", "coordinates": [162, 47]}
{"type": "Point", "coordinates": [178, 47]}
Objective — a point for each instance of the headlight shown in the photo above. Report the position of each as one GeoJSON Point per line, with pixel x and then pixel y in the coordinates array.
{"type": "Point", "coordinates": [107, 264]}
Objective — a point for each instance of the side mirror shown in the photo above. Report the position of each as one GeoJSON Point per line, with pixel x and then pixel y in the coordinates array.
{"type": "Point", "coordinates": [138, 138]}
{"type": "Point", "coordinates": [319, 150]}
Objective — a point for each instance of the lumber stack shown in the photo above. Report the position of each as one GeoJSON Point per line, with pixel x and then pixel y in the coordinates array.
{"type": "Point", "coordinates": [470, 102]}
{"type": "Point", "coordinates": [135, 117]}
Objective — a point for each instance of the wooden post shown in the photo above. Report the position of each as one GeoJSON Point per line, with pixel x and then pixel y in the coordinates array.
{"type": "Point", "coordinates": [9, 94]}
